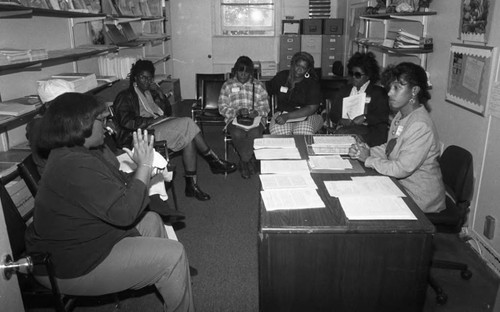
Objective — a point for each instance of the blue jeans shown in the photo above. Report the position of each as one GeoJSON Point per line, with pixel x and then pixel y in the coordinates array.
{"type": "Point", "coordinates": [136, 262]}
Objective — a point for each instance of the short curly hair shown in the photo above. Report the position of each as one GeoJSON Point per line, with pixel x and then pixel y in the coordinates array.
{"type": "Point", "coordinates": [138, 67]}
{"type": "Point", "coordinates": [367, 62]}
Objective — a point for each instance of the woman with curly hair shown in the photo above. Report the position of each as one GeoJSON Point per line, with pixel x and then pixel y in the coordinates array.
{"type": "Point", "coordinates": [372, 126]}
{"type": "Point", "coordinates": [298, 93]}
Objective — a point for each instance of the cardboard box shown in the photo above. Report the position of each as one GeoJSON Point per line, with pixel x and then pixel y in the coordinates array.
{"type": "Point", "coordinates": [333, 26]}
{"type": "Point", "coordinates": [312, 26]}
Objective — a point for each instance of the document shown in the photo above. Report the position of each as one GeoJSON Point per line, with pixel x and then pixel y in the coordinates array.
{"type": "Point", "coordinates": [273, 143]}
{"type": "Point", "coordinates": [287, 181]}
{"type": "Point", "coordinates": [330, 144]}
{"type": "Point", "coordinates": [375, 208]}
{"type": "Point", "coordinates": [329, 162]}
{"type": "Point", "coordinates": [277, 153]}
{"type": "Point", "coordinates": [360, 188]}
{"type": "Point", "coordinates": [291, 199]}
{"type": "Point", "coordinates": [283, 166]}
{"type": "Point", "coordinates": [382, 185]}
{"type": "Point", "coordinates": [353, 106]}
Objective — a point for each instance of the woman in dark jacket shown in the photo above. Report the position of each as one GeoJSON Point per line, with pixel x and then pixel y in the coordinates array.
{"type": "Point", "coordinates": [144, 106]}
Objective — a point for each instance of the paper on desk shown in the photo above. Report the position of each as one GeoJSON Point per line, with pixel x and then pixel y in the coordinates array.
{"type": "Point", "coordinates": [287, 181]}
{"type": "Point", "coordinates": [329, 162]}
{"type": "Point", "coordinates": [360, 188]}
{"type": "Point", "coordinates": [283, 166]}
{"type": "Point", "coordinates": [381, 184]}
{"type": "Point", "coordinates": [286, 199]}
{"type": "Point", "coordinates": [375, 208]}
{"type": "Point", "coordinates": [353, 106]}
{"type": "Point", "coordinates": [277, 153]}
{"type": "Point", "coordinates": [333, 140]}
{"type": "Point", "coordinates": [273, 143]}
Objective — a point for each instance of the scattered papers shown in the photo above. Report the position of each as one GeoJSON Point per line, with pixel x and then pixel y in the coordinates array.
{"type": "Point", "coordinates": [375, 208]}
{"type": "Point", "coordinates": [287, 181]}
{"type": "Point", "coordinates": [273, 143]}
{"type": "Point", "coordinates": [286, 199]}
{"type": "Point", "coordinates": [283, 166]}
{"type": "Point", "coordinates": [277, 153]}
{"type": "Point", "coordinates": [334, 162]}
{"type": "Point", "coordinates": [353, 106]}
{"type": "Point", "coordinates": [362, 187]}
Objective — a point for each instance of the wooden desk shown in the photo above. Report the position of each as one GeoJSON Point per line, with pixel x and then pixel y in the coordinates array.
{"type": "Point", "coordinates": [317, 260]}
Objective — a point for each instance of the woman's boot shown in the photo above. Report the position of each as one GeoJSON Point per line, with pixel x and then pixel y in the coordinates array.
{"type": "Point", "coordinates": [193, 190]}
{"type": "Point", "coordinates": [218, 165]}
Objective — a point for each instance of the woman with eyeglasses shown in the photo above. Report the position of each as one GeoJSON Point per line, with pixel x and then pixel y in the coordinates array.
{"type": "Point", "coordinates": [411, 154]}
{"type": "Point", "coordinates": [144, 106]}
{"type": "Point", "coordinates": [91, 217]}
{"type": "Point", "coordinates": [373, 124]}
{"type": "Point", "coordinates": [298, 94]}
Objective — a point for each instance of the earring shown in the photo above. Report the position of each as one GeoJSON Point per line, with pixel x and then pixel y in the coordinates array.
{"type": "Point", "coordinates": [306, 75]}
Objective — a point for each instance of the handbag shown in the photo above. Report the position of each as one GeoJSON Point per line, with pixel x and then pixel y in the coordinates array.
{"type": "Point", "coordinates": [246, 119]}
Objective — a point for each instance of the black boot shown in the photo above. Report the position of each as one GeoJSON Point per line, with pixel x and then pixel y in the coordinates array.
{"type": "Point", "coordinates": [193, 190]}
{"type": "Point", "coordinates": [218, 165]}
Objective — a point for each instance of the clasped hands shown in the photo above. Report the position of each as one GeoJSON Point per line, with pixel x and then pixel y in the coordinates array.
{"type": "Point", "coordinates": [282, 118]}
{"type": "Point", "coordinates": [359, 151]}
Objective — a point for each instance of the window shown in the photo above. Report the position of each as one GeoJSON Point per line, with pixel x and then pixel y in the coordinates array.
{"type": "Point", "coordinates": [247, 17]}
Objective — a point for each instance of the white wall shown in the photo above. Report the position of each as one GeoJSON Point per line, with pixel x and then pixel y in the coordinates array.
{"type": "Point", "coordinates": [457, 126]}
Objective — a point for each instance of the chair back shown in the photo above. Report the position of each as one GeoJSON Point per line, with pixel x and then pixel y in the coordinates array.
{"type": "Point", "coordinates": [29, 173]}
{"type": "Point", "coordinates": [202, 77]}
{"type": "Point", "coordinates": [211, 92]}
{"type": "Point", "coordinates": [16, 224]}
{"type": "Point", "coordinates": [458, 177]}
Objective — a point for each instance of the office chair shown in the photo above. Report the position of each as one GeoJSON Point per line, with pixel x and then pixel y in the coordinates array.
{"type": "Point", "coordinates": [16, 227]}
{"type": "Point", "coordinates": [458, 177]}
{"type": "Point", "coordinates": [29, 173]}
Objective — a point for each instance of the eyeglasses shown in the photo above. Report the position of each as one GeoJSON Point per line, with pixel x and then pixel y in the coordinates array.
{"type": "Point", "coordinates": [357, 75]}
{"type": "Point", "coordinates": [145, 78]}
{"type": "Point", "coordinates": [104, 120]}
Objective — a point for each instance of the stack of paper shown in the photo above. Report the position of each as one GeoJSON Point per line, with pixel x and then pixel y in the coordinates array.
{"type": "Point", "coordinates": [275, 148]}
{"type": "Point", "coordinates": [283, 166]}
{"type": "Point", "coordinates": [12, 56]}
{"type": "Point", "coordinates": [334, 162]}
{"type": "Point", "coordinates": [283, 199]}
{"type": "Point", "coordinates": [406, 40]}
{"type": "Point", "coordinates": [370, 198]}
{"type": "Point", "coordinates": [15, 109]}
{"type": "Point", "coordinates": [81, 82]}
{"type": "Point", "coordinates": [331, 144]}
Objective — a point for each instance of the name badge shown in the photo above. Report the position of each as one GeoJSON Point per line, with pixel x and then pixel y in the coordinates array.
{"type": "Point", "coordinates": [399, 130]}
{"type": "Point", "coordinates": [235, 89]}
{"type": "Point", "coordinates": [283, 89]}
{"type": "Point", "coordinates": [368, 100]}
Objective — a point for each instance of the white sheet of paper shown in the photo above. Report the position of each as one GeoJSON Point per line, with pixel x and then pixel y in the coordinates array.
{"type": "Point", "coordinates": [382, 185]}
{"type": "Point", "coordinates": [283, 166]}
{"type": "Point", "coordinates": [287, 181]}
{"type": "Point", "coordinates": [277, 153]}
{"type": "Point", "coordinates": [291, 199]}
{"type": "Point", "coordinates": [273, 143]}
{"type": "Point", "coordinates": [329, 162]}
{"type": "Point", "coordinates": [376, 208]}
{"type": "Point", "coordinates": [353, 106]}
{"type": "Point", "coordinates": [360, 188]}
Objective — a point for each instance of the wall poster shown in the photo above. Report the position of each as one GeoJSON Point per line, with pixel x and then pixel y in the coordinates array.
{"type": "Point", "coordinates": [470, 76]}
{"type": "Point", "coordinates": [475, 22]}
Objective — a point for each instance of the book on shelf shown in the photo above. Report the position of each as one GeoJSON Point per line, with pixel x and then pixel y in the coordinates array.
{"type": "Point", "coordinates": [81, 82]}
{"type": "Point", "coordinates": [11, 55]}
{"type": "Point", "coordinates": [12, 108]}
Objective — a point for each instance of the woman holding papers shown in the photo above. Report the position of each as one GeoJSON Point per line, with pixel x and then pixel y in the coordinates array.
{"type": "Point", "coordinates": [298, 94]}
{"type": "Point", "coordinates": [143, 105]}
{"type": "Point", "coordinates": [362, 107]}
{"type": "Point", "coordinates": [242, 96]}
{"type": "Point", "coordinates": [411, 154]}
{"type": "Point", "coordinates": [91, 217]}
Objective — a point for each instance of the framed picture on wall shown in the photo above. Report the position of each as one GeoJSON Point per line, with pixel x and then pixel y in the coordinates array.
{"type": "Point", "coordinates": [475, 20]}
{"type": "Point", "coordinates": [470, 76]}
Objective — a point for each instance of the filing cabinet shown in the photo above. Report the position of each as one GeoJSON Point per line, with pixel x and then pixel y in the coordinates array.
{"type": "Point", "coordinates": [312, 45]}
{"type": "Point", "coordinates": [332, 50]}
{"type": "Point", "coordinates": [289, 45]}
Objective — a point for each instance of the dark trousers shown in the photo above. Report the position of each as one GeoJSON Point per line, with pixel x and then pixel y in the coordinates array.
{"type": "Point", "coordinates": [243, 139]}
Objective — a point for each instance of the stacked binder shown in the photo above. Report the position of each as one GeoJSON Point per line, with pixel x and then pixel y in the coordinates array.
{"type": "Point", "coordinates": [406, 40]}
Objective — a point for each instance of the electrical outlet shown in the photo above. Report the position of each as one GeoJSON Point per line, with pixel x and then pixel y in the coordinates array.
{"type": "Point", "coordinates": [489, 227]}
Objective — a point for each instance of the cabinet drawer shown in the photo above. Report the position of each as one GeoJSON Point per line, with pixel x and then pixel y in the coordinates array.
{"type": "Point", "coordinates": [311, 43]}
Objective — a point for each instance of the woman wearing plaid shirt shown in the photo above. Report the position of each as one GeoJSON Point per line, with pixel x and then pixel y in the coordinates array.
{"type": "Point", "coordinates": [242, 95]}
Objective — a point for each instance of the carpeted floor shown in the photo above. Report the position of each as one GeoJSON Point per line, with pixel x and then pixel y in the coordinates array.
{"type": "Point", "coordinates": [220, 237]}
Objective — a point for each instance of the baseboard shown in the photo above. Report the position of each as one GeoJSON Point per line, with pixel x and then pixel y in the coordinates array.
{"type": "Point", "coordinates": [485, 251]}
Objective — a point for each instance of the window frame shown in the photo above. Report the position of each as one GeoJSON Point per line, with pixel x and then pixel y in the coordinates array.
{"type": "Point", "coordinates": [270, 31]}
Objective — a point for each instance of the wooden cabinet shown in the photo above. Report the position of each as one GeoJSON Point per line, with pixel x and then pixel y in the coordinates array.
{"type": "Point", "coordinates": [380, 31]}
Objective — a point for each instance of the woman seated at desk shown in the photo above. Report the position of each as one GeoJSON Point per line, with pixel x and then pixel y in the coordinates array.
{"type": "Point", "coordinates": [90, 216]}
{"type": "Point", "coordinates": [372, 126]}
{"type": "Point", "coordinates": [143, 105]}
{"type": "Point", "coordinates": [412, 151]}
{"type": "Point", "coordinates": [298, 94]}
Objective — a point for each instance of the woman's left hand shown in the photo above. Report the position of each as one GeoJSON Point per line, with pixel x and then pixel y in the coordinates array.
{"type": "Point", "coordinates": [281, 119]}
{"type": "Point", "coordinates": [143, 152]}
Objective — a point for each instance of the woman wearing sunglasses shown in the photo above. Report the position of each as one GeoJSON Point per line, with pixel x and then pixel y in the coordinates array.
{"type": "Point", "coordinates": [372, 126]}
{"type": "Point", "coordinates": [411, 154]}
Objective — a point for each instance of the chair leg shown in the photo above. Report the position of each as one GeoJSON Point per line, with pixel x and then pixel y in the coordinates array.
{"type": "Point", "coordinates": [174, 195]}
